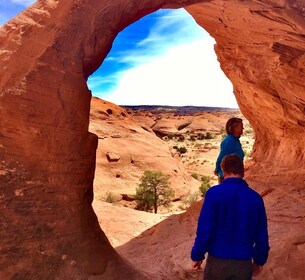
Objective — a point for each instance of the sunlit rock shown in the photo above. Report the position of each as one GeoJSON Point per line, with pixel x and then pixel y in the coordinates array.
{"type": "Point", "coordinates": [47, 155]}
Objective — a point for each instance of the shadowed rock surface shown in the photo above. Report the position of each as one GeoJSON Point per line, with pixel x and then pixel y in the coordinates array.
{"type": "Point", "coordinates": [48, 228]}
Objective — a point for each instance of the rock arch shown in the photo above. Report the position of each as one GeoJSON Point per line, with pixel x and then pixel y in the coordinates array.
{"type": "Point", "coordinates": [47, 155]}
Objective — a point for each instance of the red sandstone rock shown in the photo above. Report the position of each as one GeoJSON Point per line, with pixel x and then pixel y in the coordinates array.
{"type": "Point", "coordinates": [48, 156]}
{"type": "Point", "coordinates": [126, 150]}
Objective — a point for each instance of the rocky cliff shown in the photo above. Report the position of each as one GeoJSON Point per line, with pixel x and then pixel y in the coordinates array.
{"type": "Point", "coordinates": [48, 228]}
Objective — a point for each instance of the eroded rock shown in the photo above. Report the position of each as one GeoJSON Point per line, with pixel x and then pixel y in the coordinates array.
{"type": "Point", "coordinates": [48, 52]}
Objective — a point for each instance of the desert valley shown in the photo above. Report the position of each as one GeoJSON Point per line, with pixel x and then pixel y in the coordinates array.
{"type": "Point", "coordinates": [70, 163]}
{"type": "Point", "coordinates": [135, 139]}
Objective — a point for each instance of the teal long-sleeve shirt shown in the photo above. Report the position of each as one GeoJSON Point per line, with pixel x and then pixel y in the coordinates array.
{"type": "Point", "coordinates": [229, 145]}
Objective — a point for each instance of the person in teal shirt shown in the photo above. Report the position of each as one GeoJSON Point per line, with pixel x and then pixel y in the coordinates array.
{"type": "Point", "coordinates": [230, 144]}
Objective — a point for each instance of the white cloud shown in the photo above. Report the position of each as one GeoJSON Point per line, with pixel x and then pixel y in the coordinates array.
{"type": "Point", "coordinates": [174, 65]}
{"type": "Point", "coordinates": [189, 74]}
{"type": "Point", "coordinates": [172, 28]}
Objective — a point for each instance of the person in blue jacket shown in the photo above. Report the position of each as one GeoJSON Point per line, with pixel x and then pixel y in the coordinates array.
{"type": "Point", "coordinates": [230, 144]}
{"type": "Point", "coordinates": [232, 228]}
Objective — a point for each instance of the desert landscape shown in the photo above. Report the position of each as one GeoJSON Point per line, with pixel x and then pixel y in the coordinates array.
{"type": "Point", "coordinates": [135, 139]}
{"type": "Point", "coordinates": [55, 156]}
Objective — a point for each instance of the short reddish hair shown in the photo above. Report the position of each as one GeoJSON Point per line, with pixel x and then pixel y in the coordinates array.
{"type": "Point", "coordinates": [232, 164]}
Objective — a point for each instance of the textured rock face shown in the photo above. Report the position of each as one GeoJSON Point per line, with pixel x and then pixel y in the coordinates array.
{"type": "Point", "coordinates": [260, 45]}
{"type": "Point", "coordinates": [119, 164]}
{"type": "Point", "coordinates": [47, 156]}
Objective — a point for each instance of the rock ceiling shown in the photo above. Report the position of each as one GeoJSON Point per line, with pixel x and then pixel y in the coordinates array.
{"type": "Point", "coordinates": [47, 155]}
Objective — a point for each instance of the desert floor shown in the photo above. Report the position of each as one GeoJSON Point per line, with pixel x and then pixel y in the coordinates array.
{"type": "Point", "coordinates": [117, 217]}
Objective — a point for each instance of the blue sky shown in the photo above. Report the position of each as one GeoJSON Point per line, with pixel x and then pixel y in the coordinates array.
{"type": "Point", "coordinates": [164, 58]}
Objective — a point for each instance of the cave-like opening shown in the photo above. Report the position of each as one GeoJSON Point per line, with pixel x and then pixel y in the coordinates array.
{"type": "Point", "coordinates": [165, 62]}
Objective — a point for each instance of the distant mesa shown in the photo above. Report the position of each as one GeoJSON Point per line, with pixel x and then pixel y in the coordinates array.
{"type": "Point", "coordinates": [180, 110]}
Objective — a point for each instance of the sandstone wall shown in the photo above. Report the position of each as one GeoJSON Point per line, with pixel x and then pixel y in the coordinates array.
{"type": "Point", "coordinates": [260, 46]}
{"type": "Point", "coordinates": [47, 156]}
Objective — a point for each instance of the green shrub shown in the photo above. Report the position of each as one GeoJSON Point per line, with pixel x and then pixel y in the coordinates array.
{"type": "Point", "coordinates": [182, 150]}
{"type": "Point", "coordinates": [209, 135]}
{"type": "Point", "coordinates": [205, 178]}
{"type": "Point", "coordinates": [181, 138]}
{"type": "Point", "coordinates": [154, 190]}
{"type": "Point", "coordinates": [190, 199]}
{"type": "Point", "coordinates": [193, 198]}
{"type": "Point", "coordinates": [205, 185]}
{"type": "Point", "coordinates": [195, 176]}
{"type": "Point", "coordinates": [200, 136]}
{"type": "Point", "coordinates": [109, 197]}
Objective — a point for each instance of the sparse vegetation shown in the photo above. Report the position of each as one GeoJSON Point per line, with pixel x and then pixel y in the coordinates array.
{"type": "Point", "coordinates": [247, 153]}
{"type": "Point", "coordinates": [209, 135]}
{"type": "Point", "coordinates": [182, 150]}
{"type": "Point", "coordinates": [109, 197]}
{"type": "Point", "coordinates": [198, 145]}
{"type": "Point", "coordinates": [154, 190]}
{"type": "Point", "coordinates": [223, 134]}
{"type": "Point", "coordinates": [205, 185]}
{"type": "Point", "coordinates": [248, 131]}
{"type": "Point", "coordinates": [189, 200]}
{"type": "Point", "coordinates": [200, 136]}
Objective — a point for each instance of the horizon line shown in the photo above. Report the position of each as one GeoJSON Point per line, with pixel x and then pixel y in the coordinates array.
{"type": "Point", "coordinates": [201, 106]}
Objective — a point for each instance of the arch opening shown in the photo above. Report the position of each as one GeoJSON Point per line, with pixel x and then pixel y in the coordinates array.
{"type": "Point", "coordinates": [48, 156]}
{"type": "Point", "coordinates": [128, 136]}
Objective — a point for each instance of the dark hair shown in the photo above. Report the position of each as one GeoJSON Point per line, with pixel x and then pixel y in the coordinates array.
{"type": "Point", "coordinates": [231, 123]}
{"type": "Point", "coordinates": [232, 164]}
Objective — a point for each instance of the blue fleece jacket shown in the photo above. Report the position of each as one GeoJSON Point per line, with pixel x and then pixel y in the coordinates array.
{"type": "Point", "coordinates": [229, 145]}
{"type": "Point", "coordinates": [232, 224]}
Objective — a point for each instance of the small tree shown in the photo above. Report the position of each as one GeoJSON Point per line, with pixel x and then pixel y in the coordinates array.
{"type": "Point", "coordinates": [153, 191]}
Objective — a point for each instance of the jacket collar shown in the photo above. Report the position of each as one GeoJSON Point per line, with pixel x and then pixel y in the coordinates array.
{"type": "Point", "coordinates": [232, 180]}
{"type": "Point", "coordinates": [233, 137]}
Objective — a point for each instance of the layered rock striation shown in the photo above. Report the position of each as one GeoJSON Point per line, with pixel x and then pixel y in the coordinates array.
{"type": "Point", "coordinates": [47, 156]}
{"type": "Point", "coordinates": [260, 46]}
